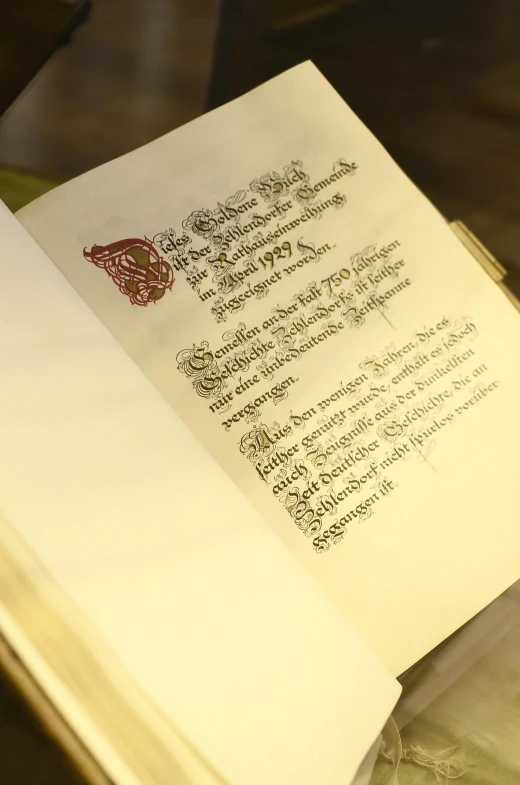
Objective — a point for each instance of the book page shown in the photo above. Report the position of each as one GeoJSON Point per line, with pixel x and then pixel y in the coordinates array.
{"type": "Point", "coordinates": [316, 324]}
{"type": "Point", "coordinates": [199, 604]}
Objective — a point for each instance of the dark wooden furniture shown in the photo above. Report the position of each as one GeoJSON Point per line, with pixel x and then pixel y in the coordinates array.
{"type": "Point", "coordinates": [437, 81]}
{"type": "Point", "coordinates": [30, 31]}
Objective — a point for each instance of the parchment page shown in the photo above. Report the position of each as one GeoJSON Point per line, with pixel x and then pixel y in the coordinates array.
{"type": "Point", "coordinates": [199, 603]}
{"type": "Point", "coordinates": [313, 320]}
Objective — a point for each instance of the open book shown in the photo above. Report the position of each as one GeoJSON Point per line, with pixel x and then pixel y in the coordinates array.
{"type": "Point", "coordinates": [259, 452]}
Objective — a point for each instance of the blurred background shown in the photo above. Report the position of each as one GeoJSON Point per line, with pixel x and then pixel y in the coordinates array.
{"type": "Point", "coordinates": [81, 82]}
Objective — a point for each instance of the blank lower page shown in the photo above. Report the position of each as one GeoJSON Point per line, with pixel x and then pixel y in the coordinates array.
{"type": "Point", "coordinates": [203, 605]}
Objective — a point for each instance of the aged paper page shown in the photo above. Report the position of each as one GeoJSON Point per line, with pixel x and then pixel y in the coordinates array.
{"type": "Point", "coordinates": [200, 603]}
{"type": "Point", "coordinates": [316, 324]}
